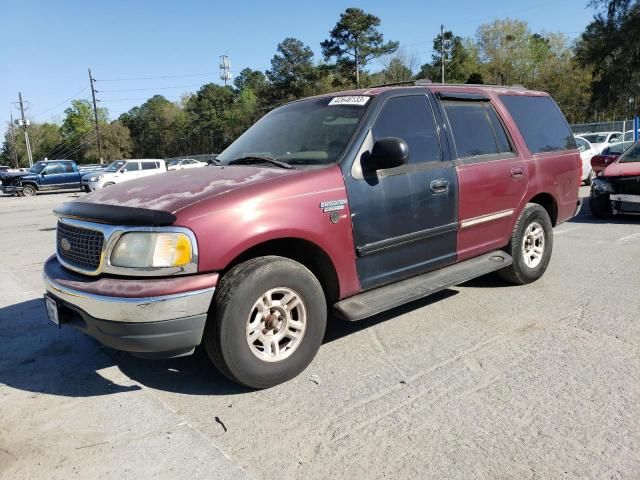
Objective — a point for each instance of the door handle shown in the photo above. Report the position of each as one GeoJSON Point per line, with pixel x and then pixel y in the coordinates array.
{"type": "Point", "coordinates": [517, 172]}
{"type": "Point", "coordinates": [439, 186]}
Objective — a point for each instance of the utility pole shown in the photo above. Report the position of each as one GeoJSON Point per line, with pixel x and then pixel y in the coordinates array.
{"type": "Point", "coordinates": [225, 68]}
{"type": "Point", "coordinates": [25, 123]}
{"type": "Point", "coordinates": [95, 115]}
{"type": "Point", "coordinates": [442, 50]}
{"type": "Point", "coordinates": [14, 150]}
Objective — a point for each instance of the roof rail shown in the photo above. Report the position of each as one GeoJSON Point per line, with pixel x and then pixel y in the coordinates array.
{"type": "Point", "coordinates": [426, 81]}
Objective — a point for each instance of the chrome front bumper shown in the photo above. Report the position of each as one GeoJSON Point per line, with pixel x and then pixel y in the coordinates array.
{"type": "Point", "coordinates": [133, 310]}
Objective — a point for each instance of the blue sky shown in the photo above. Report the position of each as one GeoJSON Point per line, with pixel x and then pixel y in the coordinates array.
{"type": "Point", "coordinates": [46, 46]}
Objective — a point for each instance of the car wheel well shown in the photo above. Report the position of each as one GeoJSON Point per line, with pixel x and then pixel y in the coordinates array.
{"type": "Point", "coordinates": [302, 251]}
{"type": "Point", "coordinates": [546, 201]}
{"type": "Point", "coordinates": [31, 184]}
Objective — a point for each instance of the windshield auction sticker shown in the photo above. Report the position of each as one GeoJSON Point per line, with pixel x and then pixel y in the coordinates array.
{"type": "Point", "coordinates": [349, 100]}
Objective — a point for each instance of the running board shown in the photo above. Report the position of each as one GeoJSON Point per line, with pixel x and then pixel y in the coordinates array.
{"type": "Point", "coordinates": [393, 295]}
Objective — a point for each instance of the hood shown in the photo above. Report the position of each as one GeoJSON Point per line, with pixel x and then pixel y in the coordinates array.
{"type": "Point", "coordinates": [618, 169]}
{"type": "Point", "coordinates": [10, 175]}
{"type": "Point", "coordinates": [177, 189]}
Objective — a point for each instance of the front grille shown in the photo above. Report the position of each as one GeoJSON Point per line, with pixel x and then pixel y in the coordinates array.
{"type": "Point", "coordinates": [628, 186]}
{"type": "Point", "coordinates": [84, 248]}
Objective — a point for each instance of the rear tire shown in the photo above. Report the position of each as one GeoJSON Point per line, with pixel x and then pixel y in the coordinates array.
{"type": "Point", "coordinates": [267, 321]}
{"type": "Point", "coordinates": [600, 206]}
{"type": "Point", "coordinates": [29, 191]}
{"type": "Point", "coordinates": [530, 246]}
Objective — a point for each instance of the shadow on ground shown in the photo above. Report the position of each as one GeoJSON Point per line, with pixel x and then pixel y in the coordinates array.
{"type": "Point", "coordinates": [38, 357]}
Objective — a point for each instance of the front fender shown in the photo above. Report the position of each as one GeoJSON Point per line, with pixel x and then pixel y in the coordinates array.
{"type": "Point", "coordinates": [226, 228]}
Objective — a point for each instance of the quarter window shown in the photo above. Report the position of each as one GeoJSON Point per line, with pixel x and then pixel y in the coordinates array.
{"type": "Point", "coordinates": [476, 129]}
{"type": "Point", "coordinates": [149, 165]}
{"type": "Point", "coordinates": [540, 122]}
{"type": "Point", "coordinates": [411, 119]}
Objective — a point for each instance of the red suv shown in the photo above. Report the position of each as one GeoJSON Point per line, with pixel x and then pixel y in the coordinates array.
{"type": "Point", "coordinates": [355, 202]}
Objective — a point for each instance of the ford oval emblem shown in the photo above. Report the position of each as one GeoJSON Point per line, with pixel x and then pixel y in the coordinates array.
{"type": "Point", "coordinates": [64, 243]}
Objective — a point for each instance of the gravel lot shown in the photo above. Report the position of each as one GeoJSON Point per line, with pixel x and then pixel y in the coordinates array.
{"type": "Point", "coordinates": [485, 380]}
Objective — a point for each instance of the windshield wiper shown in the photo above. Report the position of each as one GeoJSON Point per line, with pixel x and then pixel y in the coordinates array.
{"type": "Point", "coordinates": [259, 158]}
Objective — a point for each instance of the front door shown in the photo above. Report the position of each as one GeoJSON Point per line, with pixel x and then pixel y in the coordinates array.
{"type": "Point", "coordinates": [404, 218]}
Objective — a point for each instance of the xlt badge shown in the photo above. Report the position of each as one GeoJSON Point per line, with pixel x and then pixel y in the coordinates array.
{"type": "Point", "coordinates": [333, 205]}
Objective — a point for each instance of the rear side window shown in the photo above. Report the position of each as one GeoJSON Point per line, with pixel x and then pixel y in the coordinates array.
{"type": "Point", "coordinates": [149, 165]}
{"type": "Point", "coordinates": [68, 168]}
{"type": "Point", "coordinates": [476, 128]}
{"type": "Point", "coordinates": [540, 122]}
{"type": "Point", "coordinates": [411, 119]}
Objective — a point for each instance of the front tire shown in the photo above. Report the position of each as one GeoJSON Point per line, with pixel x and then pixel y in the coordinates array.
{"type": "Point", "coordinates": [530, 246]}
{"type": "Point", "coordinates": [600, 206]}
{"type": "Point", "coordinates": [29, 191]}
{"type": "Point", "coordinates": [267, 321]}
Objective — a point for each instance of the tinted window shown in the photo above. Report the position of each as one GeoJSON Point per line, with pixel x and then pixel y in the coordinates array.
{"type": "Point", "coordinates": [411, 119]}
{"type": "Point", "coordinates": [54, 169]}
{"type": "Point", "coordinates": [149, 165]}
{"type": "Point", "coordinates": [68, 168]}
{"type": "Point", "coordinates": [540, 122]}
{"type": "Point", "coordinates": [132, 167]}
{"type": "Point", "coordinates": [476, 129]}
{"type": "Point", "coordinates": [596, 137]}
{"type": "Point", "coordinates": [498, 129]}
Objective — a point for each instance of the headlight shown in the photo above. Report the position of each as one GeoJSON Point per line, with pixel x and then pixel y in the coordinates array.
{"type": "Point", "coordinates": [96, 178]}
{"type": "Point", "coordinates": [152, 250]}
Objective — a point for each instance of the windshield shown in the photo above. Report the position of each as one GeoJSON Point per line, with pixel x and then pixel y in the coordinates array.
{"type": "Point", "coordinates": [632, 155]}
{"type": "Point", "coordinates": [595, 137]}
{"type": "Point", "coordinates": [37, 167]}
{"type": "Point", "coordinates": [171, 163]}
{"type": "Point", "coordinates": [114, 166]}
{"type": "Point", "coordinates": [314, 131]}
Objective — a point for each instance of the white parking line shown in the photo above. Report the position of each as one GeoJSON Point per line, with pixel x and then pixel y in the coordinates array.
{"type": "Point", "coordinates": [629, 237]}
{"type": "Point", "coordinates": [566, 230]}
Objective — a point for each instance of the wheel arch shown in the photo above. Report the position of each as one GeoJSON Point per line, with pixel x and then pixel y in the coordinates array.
{"type": "Point", "coordinates": [548, 202]}
{"type": "Point", "coordinates": [302, 251]}
{"type": "Point", "coordinates": [30, 183]}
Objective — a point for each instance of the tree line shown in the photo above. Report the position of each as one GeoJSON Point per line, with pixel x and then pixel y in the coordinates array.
{"type": "Point", "coordinates": [593, 78]}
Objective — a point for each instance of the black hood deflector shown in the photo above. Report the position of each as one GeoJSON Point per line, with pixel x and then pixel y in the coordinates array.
{"type": "Point", "coordinates": [115, 214]}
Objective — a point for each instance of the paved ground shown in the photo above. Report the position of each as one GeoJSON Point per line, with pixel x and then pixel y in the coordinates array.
{"type": "Point", "coordinates": [482, 381]}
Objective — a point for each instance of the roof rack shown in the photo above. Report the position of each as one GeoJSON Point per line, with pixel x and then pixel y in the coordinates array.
{"type": "Point", "coordinates": [426, 81]}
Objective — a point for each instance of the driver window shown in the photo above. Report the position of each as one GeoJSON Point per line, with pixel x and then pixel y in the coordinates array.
{"type": "Point", "coordinates": [131, 167]}
{"type": "Point", "coordinates": [411, 119]}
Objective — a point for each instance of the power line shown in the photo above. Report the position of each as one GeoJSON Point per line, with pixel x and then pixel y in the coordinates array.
{"type": "Point", "coordinates": [149, 89]}
{"type": "Point", "coordinates": [65, 143]}
{"type": "Point", "coordinates": [155, 77]}
{"type": "Point", "coordinates": [74, 143]}
{"type": "Point", "coordinates": [67, 153]}
{"type": "Point", "coordinates": [62, 103]}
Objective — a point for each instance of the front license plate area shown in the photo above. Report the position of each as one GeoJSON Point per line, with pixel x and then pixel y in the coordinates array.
{"type": "Point", "coordinates": [53, 311]}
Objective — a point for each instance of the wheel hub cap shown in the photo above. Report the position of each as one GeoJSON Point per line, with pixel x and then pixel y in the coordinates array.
{"type": "Point", "coordinates": [276, 324]}
{"type": "Point", "coordinates": [533, 245]}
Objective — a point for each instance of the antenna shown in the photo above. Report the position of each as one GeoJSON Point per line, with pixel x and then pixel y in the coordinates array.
{"type": "Point", "coordinates": [225, 68]}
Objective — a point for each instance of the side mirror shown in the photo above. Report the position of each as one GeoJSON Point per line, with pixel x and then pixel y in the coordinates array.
{"type": "Point", "coordinates": [387, 153]}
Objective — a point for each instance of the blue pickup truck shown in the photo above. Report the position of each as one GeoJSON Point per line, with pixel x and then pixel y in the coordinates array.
{"type": "Point", "coordinates": [44, 176]}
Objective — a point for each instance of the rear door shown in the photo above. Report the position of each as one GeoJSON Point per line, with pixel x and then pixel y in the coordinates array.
{"type": "Point", "coordinates": [148, 168]}
{"type": "Point", "coordinates": [491, 172]}
{"type": "Point", "coordinates": [404, 218]}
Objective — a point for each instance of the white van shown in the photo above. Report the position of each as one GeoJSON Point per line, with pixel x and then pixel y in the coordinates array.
{"type": "Point", "coordinates": [122, 171]}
